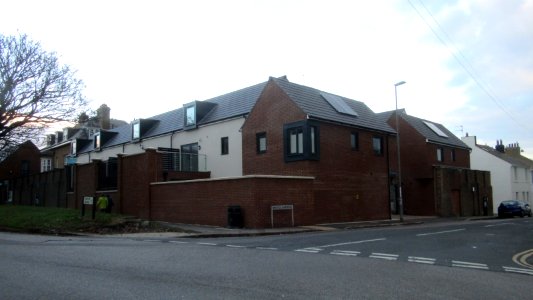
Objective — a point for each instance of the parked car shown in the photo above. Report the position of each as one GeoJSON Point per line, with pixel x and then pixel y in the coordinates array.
{"type": "Point", "coordinates": [511, 208]}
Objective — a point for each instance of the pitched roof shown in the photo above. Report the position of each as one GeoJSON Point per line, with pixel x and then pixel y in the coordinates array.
{"type": "Point", "coordinates": [433, 132]}
{"type": "Point", "coordinates": [313, 102]}
{"type": "Point", "coordinates": [516, 161]}
{"type": "Point", "coordinates": [226, 106]}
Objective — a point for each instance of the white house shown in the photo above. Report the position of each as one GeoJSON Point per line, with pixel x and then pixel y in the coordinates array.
{"type": "Point", "coordinates": [510, 173]}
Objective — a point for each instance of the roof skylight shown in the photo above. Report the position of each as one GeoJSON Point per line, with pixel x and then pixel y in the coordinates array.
{"type": "Point", "coordinates": [435, 129]}
{"type": "Point", "coordinates": [338, 104]}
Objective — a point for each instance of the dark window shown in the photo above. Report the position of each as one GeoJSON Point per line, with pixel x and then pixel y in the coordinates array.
{"type": "Point", "coordinates": [377, 145]}
{"type": "Point", "coordinates": [189, 157]}
{"type": "Point", "coordinates": [261, 142]}
{"type": "Point", "coordinates": [354, 141]}
{"type": "Point", "coordinates": [25, 168]}
{"type": "Point", "coordinates": [224, 143]}
{"type": "Point", "coordinates": [302, 140]}
{"type": "Point", "coordinates": [107, 174]}
{"type": "Point", "coordinates": [440, 154]}
{"type": "Point", "coordinates": [452, 154]}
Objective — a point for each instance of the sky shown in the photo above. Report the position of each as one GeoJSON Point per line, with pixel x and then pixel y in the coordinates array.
{"type": "Point", "coordinates": [467, 64]}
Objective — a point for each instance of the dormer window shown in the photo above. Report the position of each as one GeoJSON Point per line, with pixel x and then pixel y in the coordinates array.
{"type": "Point", "coordinates": [74, 147]}
{"type": "Point", "coordinates": [136, 131]}
{"type": "Point", "coordinates": [97, 141]}
{"type": "Point", "coordinates": [190, 116]}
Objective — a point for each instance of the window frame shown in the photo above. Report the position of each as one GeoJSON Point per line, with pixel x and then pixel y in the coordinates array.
{"type": "Point", "coordinates": [380, 151]}
{"type": "Point", "coordinates": [354, 141]}
{"type": "Point", "coordinates": [224, 145]}
{"type": "Point", "coordinates": [440, 154]}
{"type": "Point", "coordinates": [258, 137]}
{"type": "Point", "coordinates": [301, 141]}
{"type": "Point", "coordinates": [136, 131]}
{"type": "Point", "coordinates": [188, 122]}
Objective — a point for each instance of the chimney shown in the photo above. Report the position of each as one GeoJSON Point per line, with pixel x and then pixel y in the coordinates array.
{"type": "Point", "coordinates": [513, 150]}
{"type": "Point", "coordinates": [499, 146]}
{"type": "Point", "coordinates": [103, 113]}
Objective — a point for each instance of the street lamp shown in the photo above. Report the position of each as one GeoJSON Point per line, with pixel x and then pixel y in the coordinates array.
{"type": "Point", "coordinates": [400, 199]}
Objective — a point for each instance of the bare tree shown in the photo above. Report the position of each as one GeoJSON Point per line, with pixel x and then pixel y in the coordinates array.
{"type": "Point", "coordinates": [35, 91]}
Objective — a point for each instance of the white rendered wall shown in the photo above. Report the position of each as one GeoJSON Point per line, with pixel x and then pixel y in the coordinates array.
{"type": "Point", "coordinates": [208, 138]}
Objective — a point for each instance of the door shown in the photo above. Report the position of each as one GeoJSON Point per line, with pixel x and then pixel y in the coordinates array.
{"type": "Point", "coordinates": [189, 157]}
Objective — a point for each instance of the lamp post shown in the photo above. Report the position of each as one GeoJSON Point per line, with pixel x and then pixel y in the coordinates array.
{"type": "Point", "coordinates": [400, 199]}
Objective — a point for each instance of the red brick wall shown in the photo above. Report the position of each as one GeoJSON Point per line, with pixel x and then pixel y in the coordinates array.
{"type": "Point", "coordinates": [350, 185]}
{"type": "Point", "coordinates": [418, 158]}
{"type": "Point", "coordinates": [11, 167]}
{"type": "Point", "coordinates": [207, 201]}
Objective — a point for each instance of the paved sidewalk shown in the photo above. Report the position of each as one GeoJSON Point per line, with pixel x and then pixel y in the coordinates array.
{"type": "Point", "coordinates": [204, 231]}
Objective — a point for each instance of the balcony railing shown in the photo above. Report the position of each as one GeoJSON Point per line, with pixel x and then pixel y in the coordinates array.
{"type": "Point", "coordinates": [183, 162]}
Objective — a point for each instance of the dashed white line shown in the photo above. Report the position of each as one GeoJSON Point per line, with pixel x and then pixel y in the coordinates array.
{"type": "Point", "coordinates": [421, 260]}
{"type": "Point", "coordinates": [345, 252]}
{"type": "Point", "coordinates": [267, 248]}
{"type": "Point", "coordinates": [500, 224]}
{"type": "Point", "coordinates": [309, 250]}
{"type": "Point", "coordinates": [355, 242]}
{"type": "Point", "coordinates": [384, 256]}
{"type": "Point", "coordinates": [235, 246]}
{"type": "Point", "coordinates": [465, 264]}
{"type": "Point", "coordinates": [518, 270]}
{"type": "Point", "coordinates": [207, 244]}
{"type": "Point", "coordinates": [178, 242]}
{"type": "Point", "coordinates": [440, 232]}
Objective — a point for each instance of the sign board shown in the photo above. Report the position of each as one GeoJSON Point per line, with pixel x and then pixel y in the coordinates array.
{"type": "Point", "coordinates": [281, 207]}
{"type": "Point", "coordinates": [88, 200]}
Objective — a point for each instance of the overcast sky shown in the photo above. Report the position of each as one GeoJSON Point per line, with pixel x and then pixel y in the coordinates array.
{"type": "Point", "coordinates": [468, 64]}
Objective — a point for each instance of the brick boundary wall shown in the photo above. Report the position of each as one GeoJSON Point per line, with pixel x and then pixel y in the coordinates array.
{"type": "Point", "coordinates": [206, 201]}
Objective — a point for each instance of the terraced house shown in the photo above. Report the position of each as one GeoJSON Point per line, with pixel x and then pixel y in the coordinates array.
{"type": "Point", "coordinates": [274, 154]}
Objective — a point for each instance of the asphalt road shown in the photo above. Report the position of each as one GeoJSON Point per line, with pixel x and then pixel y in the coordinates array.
{"type": "Point", "coordinates": [354, 264]}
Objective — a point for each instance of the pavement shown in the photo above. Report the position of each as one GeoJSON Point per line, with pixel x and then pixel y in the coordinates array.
{"type": "Point", "coordinates": [204, 231]}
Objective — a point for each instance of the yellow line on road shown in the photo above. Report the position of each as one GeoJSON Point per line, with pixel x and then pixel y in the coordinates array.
{"type": "Point", "coordinates": [521, 258]}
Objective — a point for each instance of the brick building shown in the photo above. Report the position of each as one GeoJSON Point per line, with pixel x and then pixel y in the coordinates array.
{"type": "Point", "coordinates": [430, 156]}
{"type": "Point", "coordinates": [283, 153]}
{"type": "Point", "coordinates": [20, 161]}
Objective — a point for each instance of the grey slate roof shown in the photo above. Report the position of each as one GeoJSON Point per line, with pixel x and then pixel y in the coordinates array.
{"type": "Point", "coordinates": [425, 131]}
{"type": "Point", "coordinates": [515, 161]}
{"type": "Point", "coordinates": [241, 102]}
{"type": "Point", "coordinates": [227, 106]}
{"type": "Point", "coordinates": [315, 106]}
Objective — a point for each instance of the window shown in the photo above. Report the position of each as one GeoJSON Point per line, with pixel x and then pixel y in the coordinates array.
{"type": "Point", "coordinates": [377, 145]}
{"type": "Point", "coordinates": [354, 141]}
{"type": "Point", "coordinates": [190, 116]}
{"type": "Point", "coordinates": [46, 164]}
{"type": "Point", "coordinates": [224, 142]}
{"type": "Point", "coordinates": [97, 141]}
{"type": "Point", "coordinates": [25, 168]}
{"type": "Point", "coordinates": [296, 141]}
{"type": "Point", "coordinates": [453, 154]}
{"type": "Point", "coordinates": [261, 142]}
{"type": "Point", "coordinates": [301, 141]}
{"type": "Point", "coordinates": [74, 147]}
{"type": "Point", "coordinates": [440, 154]}
{"type": "Point", "coordinates": [136, 132]}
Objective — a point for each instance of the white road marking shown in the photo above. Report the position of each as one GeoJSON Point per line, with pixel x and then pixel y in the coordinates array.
{"type": "Point", "coordinates": [235, 246]}
{"type": "Point", "coordinates": [345, 252]}
{"type": "Point", "coordinates": [440, 232]}
{"type": "Point", "coordinates": [309, 250]}
{"type": "Point", "coordinates": [355, 242]}
{"type": "Point", "coordinates": [518, 270]}
{"type": "Point", "coordinates": [152, 241]}
{"type": "Point", "coordinates": [267, 248]}
{"type": "Point", "coordinates": [421, 260]}
{"type": "Point", "coordinates": [384, 256]}
{"type": "Point", "coordinates": [500, 224]}
{"type": "Point", "coordinates": [207, 244]}
{"type": "Point", "coordinates": [464, 264]}
{"type": "Point", "coordinates": [178, 242]}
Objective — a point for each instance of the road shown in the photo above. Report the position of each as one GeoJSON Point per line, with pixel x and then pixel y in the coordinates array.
{"type": "Point", "coordinates": [470, 260]}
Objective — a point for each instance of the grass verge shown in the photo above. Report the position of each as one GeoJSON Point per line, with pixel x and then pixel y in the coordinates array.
{"type": "Point", "coordinates": [53, 220]}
